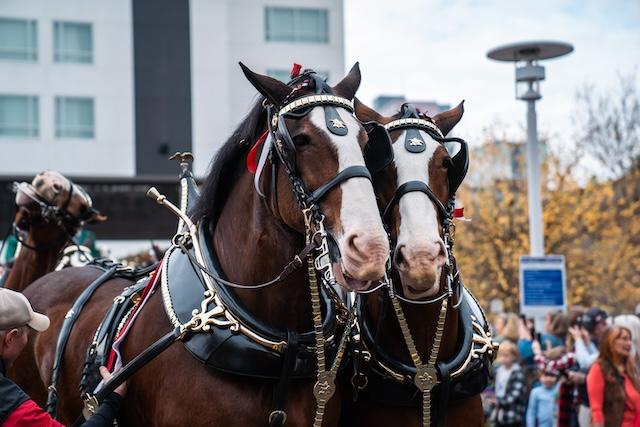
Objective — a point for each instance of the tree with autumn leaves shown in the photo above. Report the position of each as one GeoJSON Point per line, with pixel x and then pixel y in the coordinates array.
{"type": "Point", "coordinates": [595, 225]}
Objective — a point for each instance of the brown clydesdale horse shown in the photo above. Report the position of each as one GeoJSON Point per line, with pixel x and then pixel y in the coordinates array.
{"type": "Point", "coordinates": [49, 212]}
{"type": "Point", "coordinates": [418, 258]}
{"type": "Point", "coordinates": [253, 238]}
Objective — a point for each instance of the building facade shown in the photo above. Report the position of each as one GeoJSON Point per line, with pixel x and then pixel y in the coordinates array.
{"type": "Point", "coordinates": [388, 105]}
{"type": "Point", "coordinates": [105, 91]}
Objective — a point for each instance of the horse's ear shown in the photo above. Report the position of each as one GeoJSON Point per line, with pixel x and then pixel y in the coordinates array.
{"type": "Point", "coordinates": [349, 85]}
{"type": "Point", "coordinates": [365, 113]}
{"type": "Point", "coordinates": [448, 119]}
{"type": "Point", "coordinates": [95, 217]}
{"type": "Point", "coordinates": [274, 90]}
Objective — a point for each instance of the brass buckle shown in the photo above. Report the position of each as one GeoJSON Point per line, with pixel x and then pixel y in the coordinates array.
{"type": "Point", "coordinates": [277, 412]}
{"type": "Point", "coordinates": [90, 407]}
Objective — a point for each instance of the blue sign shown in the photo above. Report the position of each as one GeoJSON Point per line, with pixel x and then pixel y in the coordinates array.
{"type": "Point", "coordinates": [543, 287]}
{"type": "Point", "coordinates": [542, 284]}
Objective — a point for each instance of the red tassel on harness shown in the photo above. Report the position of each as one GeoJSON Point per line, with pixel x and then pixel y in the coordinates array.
{"type": "Point", "coordinates": [295, 70]}
{"type": "Point", "coordinates": [252, 157]}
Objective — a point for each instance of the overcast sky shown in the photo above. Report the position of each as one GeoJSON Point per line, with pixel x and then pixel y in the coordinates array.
{"type": "Point", "coordinates": [436, 50]}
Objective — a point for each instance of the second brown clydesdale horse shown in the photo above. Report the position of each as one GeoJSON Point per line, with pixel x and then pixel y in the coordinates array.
{"type": "Point", "coordinates": [423, 352]}
{"type": "Point", "coordinates": [49, 212]}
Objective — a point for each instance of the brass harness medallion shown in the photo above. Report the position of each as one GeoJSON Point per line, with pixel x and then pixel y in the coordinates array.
{"type": "Point", "coordinates": [337, 123]}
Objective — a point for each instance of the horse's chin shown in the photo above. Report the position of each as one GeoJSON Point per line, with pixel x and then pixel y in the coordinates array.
{"type": "Point", "coordinates": [417, 290]}
{"type": "Point", "coordinates": [348, 282]}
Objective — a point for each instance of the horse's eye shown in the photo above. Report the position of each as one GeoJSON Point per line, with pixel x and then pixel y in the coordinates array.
{"type": "Point", "coordinates": [300, 140]}
{"type": "Point", "coordinates": [447, 164]}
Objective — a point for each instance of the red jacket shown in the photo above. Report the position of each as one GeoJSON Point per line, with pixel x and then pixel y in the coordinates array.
{"type": "Point", "coordinates": [29, 414]}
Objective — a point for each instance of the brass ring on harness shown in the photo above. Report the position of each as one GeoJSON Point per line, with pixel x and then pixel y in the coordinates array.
{"type": "Point", "coordinates": [180, 239]}
{"type": "Point", "coordinates": [277, 412]}
{"type": "Point", "coordinates": [360, 384]}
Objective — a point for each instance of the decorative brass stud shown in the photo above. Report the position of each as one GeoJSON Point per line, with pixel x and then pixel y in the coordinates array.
{"type": "Point", "coordinates": [337, 123]}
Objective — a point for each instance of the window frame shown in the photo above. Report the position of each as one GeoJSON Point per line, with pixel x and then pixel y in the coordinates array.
{"type": "Point", "coordinates": [297, 35]}
{"type": "Point", "coordinates": [63, 55]}
{"type": "Point", "coordinates": [31, 52]}
{"type": "Point", "coordinates": [64, 131]}
{"type": "Point", "coordinates": [32, 124]}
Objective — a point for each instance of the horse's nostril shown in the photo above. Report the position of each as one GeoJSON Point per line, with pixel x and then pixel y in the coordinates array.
{"type": "Point", "coordinates": [398, 257]}
{"type": "Point", "coordinates": [443, 250]}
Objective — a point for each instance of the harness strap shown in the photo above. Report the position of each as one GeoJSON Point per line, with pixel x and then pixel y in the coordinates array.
{"type": "Point", "coordinates": [19, 235]}
{"type": "Point", "coordinates": [65, 205]}
{"type": "Point", "coordinates": [363, 364]}
{"type": "Point", "coordinates": [350, 172]}
{"type": "Point", "coordinates": [409, 187]}
{"type": "Point", "coordinates": [134, 365]}
{"type": "Point", "coordinates": [139, 361]}
{"type": "Point", "coordinates": [67, 325]}
{"type": "Point", "coordinates": [443, 393]}
{"type": "Point", "coordinates": [293, 265]}
{"type": "Point", "coordinates": [278, 416]}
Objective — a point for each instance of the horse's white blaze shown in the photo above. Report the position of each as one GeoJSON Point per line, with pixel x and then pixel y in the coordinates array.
{"type": "Point", "coordinates": [418, 215]}
{"type": "Point", "coordinates": [359, 212]}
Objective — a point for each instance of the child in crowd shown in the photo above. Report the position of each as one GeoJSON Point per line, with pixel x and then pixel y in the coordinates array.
{"type": "Point", "coordinates": [510, 387]}
{"type": "Point", "coordinates": [542, 410]}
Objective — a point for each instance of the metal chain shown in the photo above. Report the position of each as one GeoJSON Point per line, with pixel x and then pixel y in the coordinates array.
{"type": "Point", "coordinates": [324, 387]}
{"type": "Point", "coordinates": [426, 375]}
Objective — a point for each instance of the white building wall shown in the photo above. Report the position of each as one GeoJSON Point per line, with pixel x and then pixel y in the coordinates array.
{"type": "Point", "coordinates": [225, 32]}
{"type": "Point", "coordinates": [108, 80]}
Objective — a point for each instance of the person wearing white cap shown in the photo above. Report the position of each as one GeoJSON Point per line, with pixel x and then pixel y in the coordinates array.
{"type": "Point", "coordinates": [16, 408]}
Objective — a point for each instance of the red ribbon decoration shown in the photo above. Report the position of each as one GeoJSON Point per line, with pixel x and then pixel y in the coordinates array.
{"type": "Point", "coordinates": [252, 157]}
{"type": "Point", "coordinates": [458, 213]}
{"type": "Point", "coordinates": [295, 70]}
{"type": "Point", "coordinates": [153, 282]}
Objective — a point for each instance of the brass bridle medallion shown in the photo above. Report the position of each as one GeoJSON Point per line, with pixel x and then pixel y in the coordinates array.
{"type": "Point", "coordinates": [426, 377]}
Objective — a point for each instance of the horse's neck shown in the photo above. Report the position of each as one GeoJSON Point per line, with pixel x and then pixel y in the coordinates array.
{"type": "Point", "coordinates": [253, 247]}
{"type": "Point", "coordinates": [422, 321]}
{"type": "Point", "coordinates": [32, 264]}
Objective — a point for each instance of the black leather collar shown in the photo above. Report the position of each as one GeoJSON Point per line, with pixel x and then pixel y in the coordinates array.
{"type": "Point", "coordinates": [246, 317]}
{"type": "Point", "coordinates": [225, 349]}
{"type": "Point", "coordinates": [399, 382]}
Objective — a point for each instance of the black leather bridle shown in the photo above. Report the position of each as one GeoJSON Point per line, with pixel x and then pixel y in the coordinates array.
{"type": "Point", "coordinates": [285, 149]}
{"type": "Point", "coordinates": [48, 213]}
{"type": "Point", "coordinates": [413, 122]}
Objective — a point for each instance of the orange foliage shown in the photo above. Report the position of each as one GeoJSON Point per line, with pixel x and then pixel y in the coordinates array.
{"type": "Point", "coordinates": [595, 226]}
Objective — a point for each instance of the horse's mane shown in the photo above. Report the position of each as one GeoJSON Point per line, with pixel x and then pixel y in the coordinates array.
{"type": "Point", "coordinates": [224, 170]}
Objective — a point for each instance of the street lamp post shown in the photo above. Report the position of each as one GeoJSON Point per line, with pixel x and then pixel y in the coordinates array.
{"type": "Point", "coordinates": [529, 73]}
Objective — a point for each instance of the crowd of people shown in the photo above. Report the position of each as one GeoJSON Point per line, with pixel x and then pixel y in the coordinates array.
{"type": "Point", "coordinates": [582, 369]}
